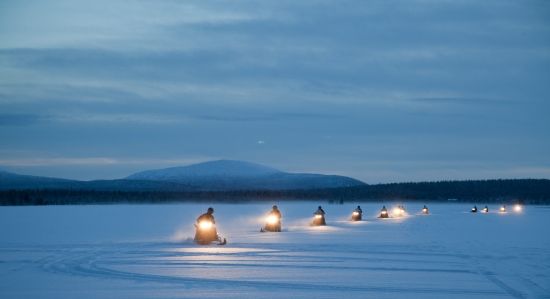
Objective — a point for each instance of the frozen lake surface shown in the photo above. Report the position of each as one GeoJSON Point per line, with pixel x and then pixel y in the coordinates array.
{"type": "Point", "coordinates": [144, 251]}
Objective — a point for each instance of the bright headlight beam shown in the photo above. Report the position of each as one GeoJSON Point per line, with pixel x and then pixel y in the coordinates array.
{"type": "Point", "coordinates": [205, 224]}
{"type": "Point", "coordinates": [272, 219]}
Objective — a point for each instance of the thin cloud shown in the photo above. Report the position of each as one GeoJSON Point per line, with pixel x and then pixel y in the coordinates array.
{"type": "Point", "coordinates": [462, 100]}
{"type": "Point", "coordinates": [21, 119]}
{"type": "Point", "coordinates": [97, 161]}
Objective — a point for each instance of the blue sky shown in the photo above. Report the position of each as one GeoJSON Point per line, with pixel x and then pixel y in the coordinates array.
{"type": "Point", "coordinates": [383, 91]}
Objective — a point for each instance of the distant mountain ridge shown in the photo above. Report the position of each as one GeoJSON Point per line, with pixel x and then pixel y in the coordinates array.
{"type": "Point", "coordinates": [217, 175]}
{"type": "Point", "coordinates": [18, 181]}
{"type": "Point", "coordinates": [239, 175]}
{"type": "Point", "coordinates": [218, 168]}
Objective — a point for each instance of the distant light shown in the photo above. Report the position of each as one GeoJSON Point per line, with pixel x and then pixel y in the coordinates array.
{"type": "Point", "coordinates": [399, 211]}
{"type": "Point", "coordinates": [518, 208]}
{"type": "Point", "coordinates": [261, 142]}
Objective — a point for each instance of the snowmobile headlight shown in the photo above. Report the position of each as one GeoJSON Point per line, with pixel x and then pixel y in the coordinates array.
{"type": "Point", "coordinates": [318, 216]}
{"type": "Point", "coordinates": [355, 213]}
{"type": "Point", "coordinates": [384, 212]}
{"type": "Point", "coordinates": [205, 224]}
{"type": "Point", "coordinates": [518, 208]}
{"type": "Point", "coordinates": [397, 211]}
{"type": "Point", "coordinates": [502, 209]}
{"type": "Point", "coordinates": [272, 219]}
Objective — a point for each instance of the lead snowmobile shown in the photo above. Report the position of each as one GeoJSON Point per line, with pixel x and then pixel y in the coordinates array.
{"type": "Point", "coordinates": [319, 217]}
{"type": "Point", "coordinates": [474, 209]}
{"type": "Point", "coordinates": [273, 221]}
{"type": "Point", "coordinates": [384, 213]}
{"type": "Point", "coordinates": [357, 214]}
{"type": "Point", "coordinates": [425, 210]}
{"type": "Point", "coordinates": [205, 230]}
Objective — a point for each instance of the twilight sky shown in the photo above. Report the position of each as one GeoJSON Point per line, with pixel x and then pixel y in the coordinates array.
{"type": "Point", "coordinates": [382, 91]}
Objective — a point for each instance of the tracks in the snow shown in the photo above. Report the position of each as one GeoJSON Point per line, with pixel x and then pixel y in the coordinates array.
{"type": "Point", "coordinates": [330, 270]}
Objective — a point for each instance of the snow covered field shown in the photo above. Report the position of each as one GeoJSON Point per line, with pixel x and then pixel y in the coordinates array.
{"type": "Point", "coordinates": [144, 251]}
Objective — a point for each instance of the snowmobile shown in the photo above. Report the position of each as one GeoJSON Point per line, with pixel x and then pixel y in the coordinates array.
{"type": "Point", "coordinates": [318, 220]}
{"type": "Point", "coordinates": [272, 224]}
{"type": "Point", "coordinates": [485, 210]}
{"type": "Point", "coordinates": [384, 213]}
{"type": "Point", "coordinates": [319, 217]}
{"type": "Point", "coordinates": [502, 209]}
{"type": "Point", "coordinates": [425, 210]}
{"type": "Point", "coordinates": [474, 209]}
{"type": "Point", "coordinates": [356, 216]}
{"type": "Point", "coordinates": [399, 211]}
{"type": "Point", "coordinates": [206, 233]}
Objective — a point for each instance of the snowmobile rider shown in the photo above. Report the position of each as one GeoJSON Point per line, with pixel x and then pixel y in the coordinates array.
{"type": "Point", "coordinates": [275, 212]}
{"type": "Point", "coordinates": [319, 217]}
{"type": "Point", "coordinates": [319, 211]}
{"type": "Point", "coordinates": [357, 214]}
{"type": "Point", "coordinates": [384, 213]}
{"type": "Point", "coordinates": [273, 221]}
{"type": "Point", "coordinates": [208, 216]}
{"type": "Point", "coordinates": [205, 229]}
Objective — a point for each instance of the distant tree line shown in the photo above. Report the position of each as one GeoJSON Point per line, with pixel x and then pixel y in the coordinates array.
{"type": "Point", "coordinates": [534, 191]}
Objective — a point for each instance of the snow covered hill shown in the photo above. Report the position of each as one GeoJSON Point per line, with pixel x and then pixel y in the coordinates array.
{"type": "Point", "coordinates": [219, 168]}
{"type": "Point", "coordinates": [210, 176]}
{"type": "Point", "coordinates": [234, 175]}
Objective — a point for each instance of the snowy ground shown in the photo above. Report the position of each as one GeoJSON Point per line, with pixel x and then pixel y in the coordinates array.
{"type": "Point", "coordinates": [143, 251]}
